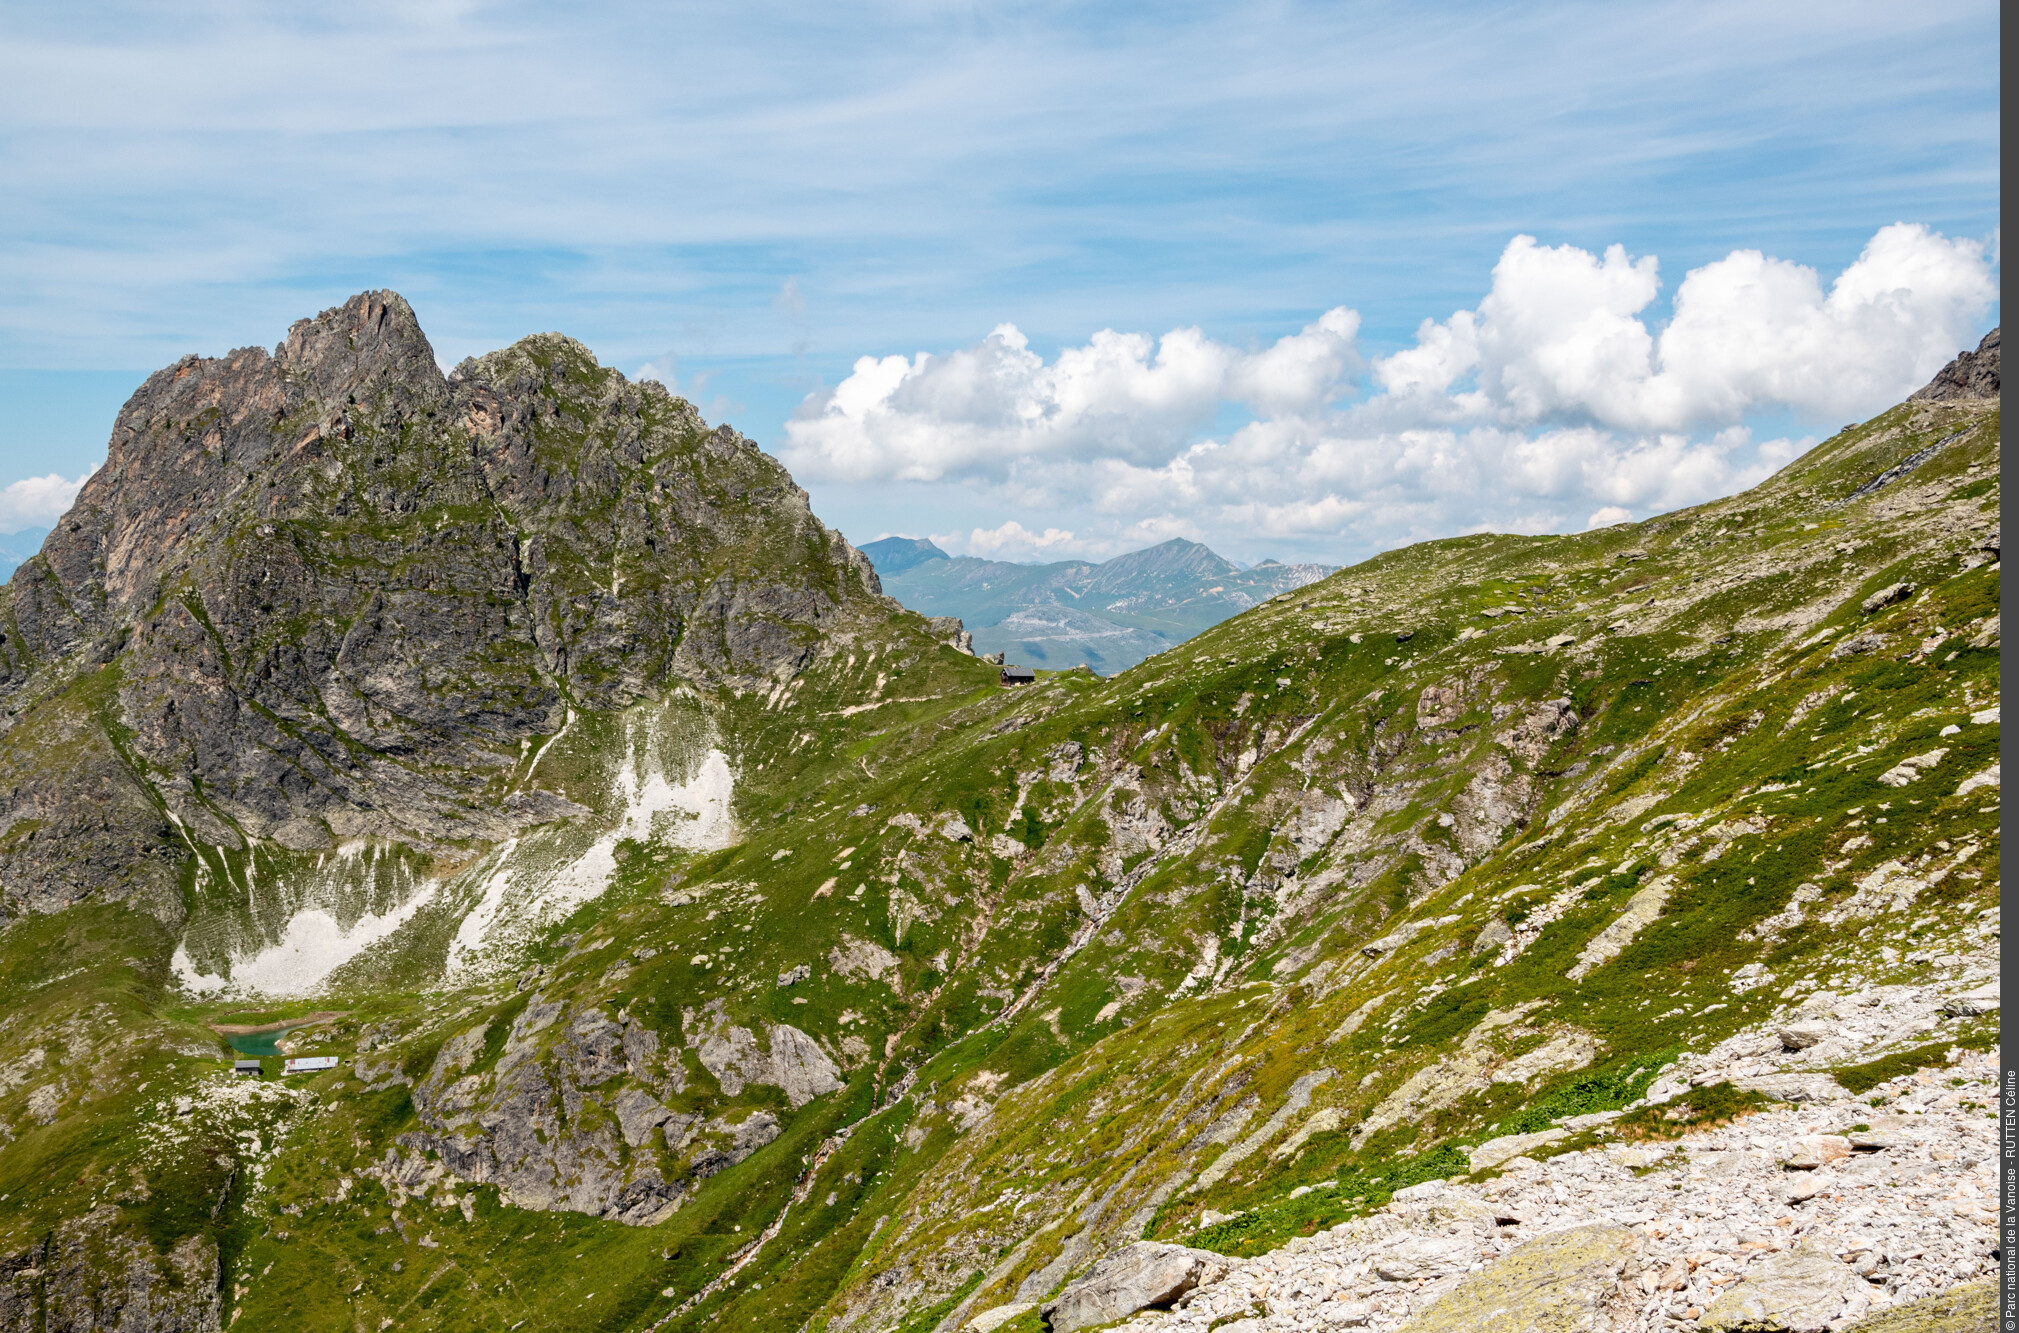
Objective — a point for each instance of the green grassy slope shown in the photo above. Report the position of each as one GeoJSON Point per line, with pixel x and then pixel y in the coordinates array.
{"type": "Point", "coordinates": [1087, 957]}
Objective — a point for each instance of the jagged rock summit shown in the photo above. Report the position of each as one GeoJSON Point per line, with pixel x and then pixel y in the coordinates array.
{"type": "Point", "coordinates": [1972, 375]}
{"type": "Point", "coordinates": [328, 592]}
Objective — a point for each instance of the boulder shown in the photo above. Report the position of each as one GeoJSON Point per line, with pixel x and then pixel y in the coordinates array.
{"type": "Point", "coordinates": [1636, 1156]}
{"type": "Point", "coordinates": [988, 1321]}
{"type": "Point", "coordinates": [1982, 1000]}
{"type": "Point", "coordinates": [1814, 1150]}
{"type": "Point", "coordinates": [1886, 596]}
{"type": "Point", "coordinates": [1912, 767]}
{"type": "Point", "coordinates": [1794, 1087]}
{"type": "Point", "coordinates": [1800, 1190]}
{"type": "Point", "coordinates": [1564, 1282]}
{"type": "Point", "coordinates": [1395, 939]}
{"type": "Point", "coordinates": [1494, 1152]}
{"type": "Point", "coordinates": [1885, 1131]}
{"type": "Point", "coordinates": [1856, 644]}
{"type": "Point", "coordinates": [1416, 1257]}
{"type": "Point", "coordinates": [1801, 1036]}
{"type": "Point", "coordinates": [1968, 1308]}
{"type": "Point", "coordinates": [1806, 1291]}
{"type": "Point", "coordinates": [1145, 1275]}
{"type": "Point", "coordinates": [1494, 934]}
{"type": "Point", "coordinates": [1577, 1124]}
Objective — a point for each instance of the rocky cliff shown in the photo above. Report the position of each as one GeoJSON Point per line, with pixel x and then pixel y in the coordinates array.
{"type": "Point", "coordinates": [329, 593]}
{"type": "Point", "coordinates": [1972, 376]}
{"type": "Point", "coordinates": [744, 957]}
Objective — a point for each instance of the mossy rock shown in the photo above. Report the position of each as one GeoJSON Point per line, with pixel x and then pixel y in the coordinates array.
{"type": "Point", "coordinates": [1565, 1282]}
{"type": "Point", "coordinates": [1970, 1308]}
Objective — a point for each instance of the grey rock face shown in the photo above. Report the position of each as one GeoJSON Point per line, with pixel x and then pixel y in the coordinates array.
{"type": "Point", "coordinates": [1144, 1276]}
{"type": "Point", "coordinates": [789, 1059]}
{"type": "Point", "coordinates": [1802, 1292]}
{"type": "Point", "coordinates": [88, 1275]}
{"type": "Point", "coordinates": [325, 592]}
{"type": "Point", "coordinates": [1970, 375]}
{"type": "Point", "coordinates": [539, 1123]}
{"type": "Point", "coordinates": [571, 1116]}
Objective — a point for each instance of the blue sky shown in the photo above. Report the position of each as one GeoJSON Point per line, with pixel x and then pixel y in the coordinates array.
{"type": "Point", "coordinates": [751, 198]}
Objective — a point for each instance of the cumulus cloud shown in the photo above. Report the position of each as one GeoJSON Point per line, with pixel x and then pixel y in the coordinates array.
{"type": "Point", "coordinates": [1012, 541]}
{"type": "Point", "coordinates": [982, 409]}
{"type": "Point", "coordinates": [36, 502]}
{"type": "Point", "coordinates": [1555, 403]}
{"type": "Point", "coordinates": [1560, 335]}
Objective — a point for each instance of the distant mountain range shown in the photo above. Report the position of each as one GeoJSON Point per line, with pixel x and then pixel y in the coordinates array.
{"type": "Point", "coordinates": [18, 546]}
{"type": "Point", "coordinates": [1108, 616]}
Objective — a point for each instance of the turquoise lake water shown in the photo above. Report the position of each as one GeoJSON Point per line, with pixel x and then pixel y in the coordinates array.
{"type": "Point", "coordinates": [257, 1045]}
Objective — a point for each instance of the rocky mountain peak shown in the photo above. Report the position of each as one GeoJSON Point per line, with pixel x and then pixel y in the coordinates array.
{"type": "Point", "coordinates": [337, 591]}
{"type": "Point", "coordinates": [1972, 375]}
{"type": "Point", "coordinates": [373, 338]}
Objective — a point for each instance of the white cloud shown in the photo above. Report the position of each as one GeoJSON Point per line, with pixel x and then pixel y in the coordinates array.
{"type": "Point", "coordinates": [36, 502]}
{"type": "Point", "coordinates": [1608, 516]}
{"type": "Point", "coordinates": [1560, 335]}
{"type": "Point", "coordinates": [982, 409]}
{"type": "Point", "coordinates": [1012, 541]}
{"type": "Point", "coordinates": [1552, 405]}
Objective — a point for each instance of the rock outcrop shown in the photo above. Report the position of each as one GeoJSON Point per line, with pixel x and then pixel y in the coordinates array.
{"type": "Point", "coordinates": [1805, 1291]}
{"type": "Point", "coordinates": [1972, 375]}
{"type": "Point", "coordinates": [327, 592]}
{"type": "Point", "coordinates": [1143, 1276]}
{"type": "Point", "coordinates": [1564, 1282]}
{"type": "Point", "coordinates": [89, 1275]}
{"type": "Point", "coordinates": [567, 1112]}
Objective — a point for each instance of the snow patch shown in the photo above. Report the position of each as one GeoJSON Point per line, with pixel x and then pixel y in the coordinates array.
{"type": "Point", "coordinates": [521, 895]}
{"type": "Point", "coordinates": [312, 945]}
